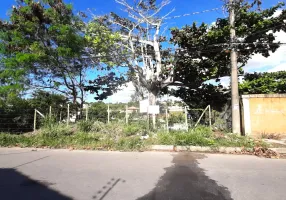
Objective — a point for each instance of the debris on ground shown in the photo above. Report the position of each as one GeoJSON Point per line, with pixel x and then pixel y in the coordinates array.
{"type": "Point", "coordinates": [261, 152]}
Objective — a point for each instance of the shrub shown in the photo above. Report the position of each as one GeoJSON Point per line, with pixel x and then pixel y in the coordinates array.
{"type": "Point", "coordinates": [97, 126]}
{"type": "Point", "coordinates": [49, 122]}
{"type": "Point", "coordinates": [131, 143]}
{"type": "Point", "coordinates": [56, 131]}
{"type": "Point", "coordinates": [176, 118]}
{"type": "Point", "coordinates": [85, 126]}
{"type": "Point", "coordinates": [131, 130]}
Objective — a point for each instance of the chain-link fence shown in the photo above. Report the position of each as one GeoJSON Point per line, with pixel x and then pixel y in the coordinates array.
{"type": "Point", "coordinates": [169, 117]}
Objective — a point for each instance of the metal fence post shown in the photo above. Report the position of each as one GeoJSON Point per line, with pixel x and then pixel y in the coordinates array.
{"type": "Point", "coordinates": [68, 116]}
{"type": "Point", "coordinates": [86, 112]}
{"type": "Point", "coordinates": [167, 122]}
{"type": "Point", "coordinates": [108, 114]}
{"type": "Point", "coordinates": [50, 113]}
{"type": "Point", "coordinates": [186, 116]}
{"type": "Point", "coordinates": [126, 114]}
{"type": "Point", "coordinates": [210, 117]}
{"type": "Point", "coordinates": [35, 120]}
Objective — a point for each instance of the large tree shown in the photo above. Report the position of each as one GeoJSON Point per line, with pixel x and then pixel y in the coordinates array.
{"type": "Point", "coordinates": [45, 45]}
{"type": "Point", "coordinates": [204, 51]}
{"type": "Point", "coordinates": [43, 41]}
{"type": "Point", "coordinates": [139, 48]}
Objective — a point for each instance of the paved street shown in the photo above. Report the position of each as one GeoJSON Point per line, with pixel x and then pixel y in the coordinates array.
{"type": "Point", "coordinates": [66, 175]}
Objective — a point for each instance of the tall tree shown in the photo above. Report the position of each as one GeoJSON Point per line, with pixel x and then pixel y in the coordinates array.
{"type": "Point", "coordinates": [204, 54]}
{"type": "Point", "coordinates": [45, 45]}
{"type": "Point", "coordinates": [140, 46]}
{"type": "Point", "coordinates": [43, 40]}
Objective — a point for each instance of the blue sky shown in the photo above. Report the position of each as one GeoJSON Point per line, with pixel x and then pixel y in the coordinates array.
{"type": "Point", "coordinates": [181, 6]}
{"type": "Point", "coordinates": [100, 7]}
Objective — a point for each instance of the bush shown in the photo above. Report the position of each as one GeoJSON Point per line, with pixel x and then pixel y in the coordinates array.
{"type": "Point", "coordinates": [131, 130]}
{"type": "Point", "coordinates": [49, 122]}
{"type": "Point", "coordinates": [131, 143]}
{"type": "Point", "coordinates": [97, 126]}
{"type": "Point", "coordinates": [176, 118]}
{"type": "Point", "coordinates": [57, 130]}
{"type": "Point", "coordinates": [85, 126]}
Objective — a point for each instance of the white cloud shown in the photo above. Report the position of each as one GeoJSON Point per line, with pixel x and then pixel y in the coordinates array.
{"type": "Point", "coordinates": [274, 62]}
{"type": "Point", "coordinates": [225, 81]}
{"type": "Point", "coordinates": [281, 67]}
{"type": "Point", "coordinates": [123, 95]}
{"type": "Point", "coordinates": [260, 63]}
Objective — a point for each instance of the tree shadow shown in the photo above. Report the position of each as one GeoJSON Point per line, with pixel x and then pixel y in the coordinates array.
{"type": "Point", "coordinates": [186, 180]}
{"type": "Point", "coordinates": [15, 185]}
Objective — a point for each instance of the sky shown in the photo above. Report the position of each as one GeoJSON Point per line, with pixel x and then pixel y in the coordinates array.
{"type": "Point", "coordinates": [258, 63]}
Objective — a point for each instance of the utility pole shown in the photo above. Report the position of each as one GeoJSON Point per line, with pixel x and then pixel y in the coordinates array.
{"type": "Point", "coordinates": [234, 71]}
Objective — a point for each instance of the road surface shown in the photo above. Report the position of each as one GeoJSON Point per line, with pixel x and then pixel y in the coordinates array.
{"type": "Point", "coordinates": [87, 175]}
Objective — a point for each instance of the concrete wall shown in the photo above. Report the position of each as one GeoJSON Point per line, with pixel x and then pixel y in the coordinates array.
{"type": "Point", "coordinates": [264, 114]}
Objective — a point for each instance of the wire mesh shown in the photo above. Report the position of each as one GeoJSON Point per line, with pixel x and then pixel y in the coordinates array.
{"type": "Point", "coordinates": [16, 121]}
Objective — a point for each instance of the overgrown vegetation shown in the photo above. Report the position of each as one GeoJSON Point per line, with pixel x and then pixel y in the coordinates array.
{"type": "Point", "coordinates": [93, 135]}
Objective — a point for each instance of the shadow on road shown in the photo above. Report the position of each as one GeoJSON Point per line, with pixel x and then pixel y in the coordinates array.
{"type": "Point", "coordinates": [101, 194]}
{"type": "Point", "coordinates": [185, 180]}
{"type": "Point", "coordinates": [14, 186]}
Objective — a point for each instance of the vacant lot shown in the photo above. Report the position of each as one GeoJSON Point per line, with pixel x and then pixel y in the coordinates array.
{"type": "Point", "coordinates": [87, 175]}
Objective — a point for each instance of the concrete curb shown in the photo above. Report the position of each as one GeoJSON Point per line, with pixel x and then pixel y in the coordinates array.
{"type": "Point", "coordinates": [195, 148]}
{"type": "Point", "coordinates": [279, 150]}
{"type": "Point", "coordinates": [206, 149]}
{"type": "Point", "coordinates": [164, 148]}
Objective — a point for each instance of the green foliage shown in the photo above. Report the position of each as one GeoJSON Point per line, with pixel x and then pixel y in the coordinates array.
{"type": "Point", "coordinates": [36, 50]}
{"type": "Point", "coordinates": [16, 115]}
{"type": "Point", "coordinates": [132, 130]}
{"type": "Point", "coordinates": [97, 126]}
{"type": "Point", "coordinates": [264, 83]}
{"type": "Point", "coordinates": [98, 111]}
{"type": "Point", "coordinates": [125, 138]}
{"type": "Point", "coordinates": [36, 44]}
{"type": "Point", "coordinates": [57, 131]}
{"type": "Point", "coordinates": [208, 53]}
{"type": "Point", "coordinates": [42, 100]}
{"type": "Point", "coordinates": [176, 118]}
{"type": "Point", "coordinates": [85, 126]}
{"type": "Point", "coordinates": [49, 122]}
{"type": "Point", "coordinates": [131, 143]}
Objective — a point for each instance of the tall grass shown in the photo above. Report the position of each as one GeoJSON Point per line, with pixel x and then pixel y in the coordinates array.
{"type": "Point", "coordinates": [118, 136]}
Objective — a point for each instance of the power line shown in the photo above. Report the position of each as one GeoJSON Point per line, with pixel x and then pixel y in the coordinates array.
{"type": "Point", "coordinates": [194, 13]}
{"type": "Point", "coordinates": [175, 50]}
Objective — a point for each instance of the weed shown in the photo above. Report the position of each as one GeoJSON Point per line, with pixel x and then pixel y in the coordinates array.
{"type": "Point", "coordinates": [85, 126]}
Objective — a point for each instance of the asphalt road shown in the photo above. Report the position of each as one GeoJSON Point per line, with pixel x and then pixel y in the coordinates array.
{"type": "Point", "coordinates": [80, 175]}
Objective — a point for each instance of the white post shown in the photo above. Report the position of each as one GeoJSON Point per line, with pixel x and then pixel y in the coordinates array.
{"type": "Point", "coordinates": [35, 120]}
{"type": "Point", "coordinates": [108, 115]}
{"type": "Point", "coordinates": [167, 122]}
{"type": "Point", "coordinates": [68, 116]}
{"type": "Point", "coordinates": [126, 114]}
{"type": "Point", "coordinates": [201, 116]}
{"type": "Point", "coordinates": [154, 121]}
{"type": "Point", "coordinates": [148, 118]}
{"type": "Point", "coordinates": [50, 113]}
{"type": "Point", "coordinates": [86, 112]}
{"type": "Point", "coordinates": [186, 118]}
{"type": "Point", "coordinates": [210, 117]}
